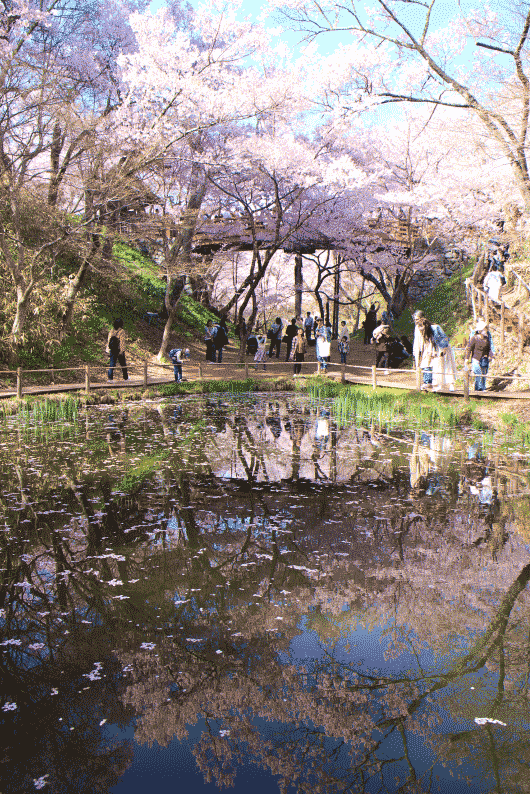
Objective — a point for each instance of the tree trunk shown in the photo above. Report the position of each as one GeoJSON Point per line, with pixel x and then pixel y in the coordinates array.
{"type": "Point", "coordinates": [180, 253]}
{"type": "Point", "coordinates": [23, 296]}
{"type": "Point", "coordinates": [73, 290]}
{"type": "Point", "coordinates": [298, 284]}
{"type": "Point", "coordinates": [336, 291]}
{"type": "Point", "coordinates": [175, 288]}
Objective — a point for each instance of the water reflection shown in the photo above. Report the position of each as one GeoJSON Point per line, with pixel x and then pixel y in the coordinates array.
{"type": "Point", "coordinates": [333, 605]}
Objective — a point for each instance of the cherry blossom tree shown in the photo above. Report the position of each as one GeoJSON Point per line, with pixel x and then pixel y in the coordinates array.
{"type": "Point", "coordinates": [401, 53]}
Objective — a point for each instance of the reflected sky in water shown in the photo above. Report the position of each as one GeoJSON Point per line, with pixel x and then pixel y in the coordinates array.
{"type": "Point", "coordinates": [238, 592]}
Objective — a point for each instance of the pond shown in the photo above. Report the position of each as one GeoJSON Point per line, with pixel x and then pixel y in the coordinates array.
{"type": "Point", "coordinates": [243, 592]}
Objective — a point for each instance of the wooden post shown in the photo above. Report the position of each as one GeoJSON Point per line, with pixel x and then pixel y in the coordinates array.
{"type": "Point", "coordinates": [418, 378]}
{"type": "Point", "coordinates": [200, 371]}
{"type": "Point", "coordinates": [374, 377]}
{"type": "Point", "coordinates": [145, 375]}
{"type": "Point", "coordinates": [19, 383]}
{"type": "Point", "coordinates": [246, 370]}
{"type": "Point", "coordinates": [521, 340]}
{"type": "Point", "coordinates": [466, 385]}
{"type": "Point", "coordinates": [87, 379]}
{"type": "Point", "coordinates": [503, 320]}
{"type": "Point", "coordinates": [473, 302]}
{"type": "Point", "coordinates": [343, 373]}
{"type": "Point", "coordinates": [318, 367]}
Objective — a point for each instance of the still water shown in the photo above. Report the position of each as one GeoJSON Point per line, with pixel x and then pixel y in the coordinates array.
{"type": "Point", "coordinates": [237, 592]}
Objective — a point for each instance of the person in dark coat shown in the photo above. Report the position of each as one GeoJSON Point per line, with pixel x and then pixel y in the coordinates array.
{"type": "Point", "coordinates": [290, 333]}
{"type": "Point", "coordinates": [370, 323]}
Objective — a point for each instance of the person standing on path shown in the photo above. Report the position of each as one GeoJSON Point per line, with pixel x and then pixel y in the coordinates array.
{"type": "Point", "coordinates": [177, 356]}
{"type": "Point", "coordinates": [427, 352]}
{"type": "Point", "coordinates": [479, 351]}
{"type": "Point", "coordinates": [323, 346]}
{"type": "Point", "coordinates": [220, 339]}
{"type": "Point", "coordinates": [290, 332]}
{"type": "Point", "coordinates": [308, 327]}
{"type": "Point", "coordinates": [299, 346]}
{"type": "Point", "coordinates": [275, 335]}
{"type": "Point", "coordinates": [209, 337]}
{"type": "Point", "coordinates": [261, 352]}
{"type": "Point", "coordinates": [370, 323]}
{"type": "Point", "coordinates": [344, 342]}
{"type": "Point", "coordinates": [116, 344]}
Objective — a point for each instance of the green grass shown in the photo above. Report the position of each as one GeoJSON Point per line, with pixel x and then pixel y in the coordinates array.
{"type": "Point", "coordinates": [389, 407]}
{"type": "Point", "coordinates": [446, 305]}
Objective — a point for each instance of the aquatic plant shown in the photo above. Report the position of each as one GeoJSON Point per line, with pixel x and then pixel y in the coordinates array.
{"type": "Point", "coordinates": [42, 411]}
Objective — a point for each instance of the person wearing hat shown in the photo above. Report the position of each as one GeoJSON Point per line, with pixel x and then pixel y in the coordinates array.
{"type": "Point", "coordinates": [479, 351]}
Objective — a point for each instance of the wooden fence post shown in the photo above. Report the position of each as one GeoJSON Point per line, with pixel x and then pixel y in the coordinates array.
{"type": "Point", "coordinates": [521, 340]}
{"type": "Point", "coordinates": [87, 379]}
{"type": "Point", "coordinates": [473, 303]}
{"type": "Point", "coordinates": [503, 320]}
{"type": "Point", "coordinates": [145, 375]}
{"type": "Point", "coordinates": [318, 367]}
{"type": "Point", "coordinates": [19, 383]}
{"type": "Point", "coordinates": [246, 371]}
{"type": "Point", "coordinates": [466, 384]}
{"type": "Point", "coordinates": [374, 377]}
{"type": "Point", "coordinates": [200, 371]}
{"type": "Point", "coordinates": [343, 373]}
{"type": "Point", "coordinates": [418, 378]}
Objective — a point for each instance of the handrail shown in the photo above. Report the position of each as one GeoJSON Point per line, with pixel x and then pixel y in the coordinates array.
{"type": "Point", "coordinates": [198, 369]}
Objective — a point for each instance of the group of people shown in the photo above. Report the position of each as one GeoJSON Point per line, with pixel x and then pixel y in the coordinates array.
{"type": "Point", "coordinates": [431, 349]}
{"type": "Point", "coordinates": [299, 336]}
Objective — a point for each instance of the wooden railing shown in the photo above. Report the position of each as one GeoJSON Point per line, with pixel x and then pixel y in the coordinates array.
{"type": "Point", "coordinates": [485, 308]}
{"type": "Point", "coordinates": [140, 375]}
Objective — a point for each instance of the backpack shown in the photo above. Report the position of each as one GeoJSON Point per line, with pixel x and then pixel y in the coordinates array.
{"type": "Point", "coordinates": [221, 339]}
{"type": "Point", "coordinates": [173, 355]}
{"type": "Point", "coordinates": [114, 345]}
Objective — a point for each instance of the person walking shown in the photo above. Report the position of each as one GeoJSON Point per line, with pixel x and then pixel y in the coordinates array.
{"type": "Point", "coordinates": [299, 347]}
{"type": "Point", "coordinates": [275, 335]}
{"type": "Point", "coordinates": [479, 351]}
{"type": "Point", "coordinates": [116, 344]}
{"type": "Point", "coordinates": [344, 342]}
{"type": "Point", "coordinates": [209, 337]}
{"type": "Point", "coordinates": [493, 283]}
{"type": "Point", "coordinates": [290, 332]}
